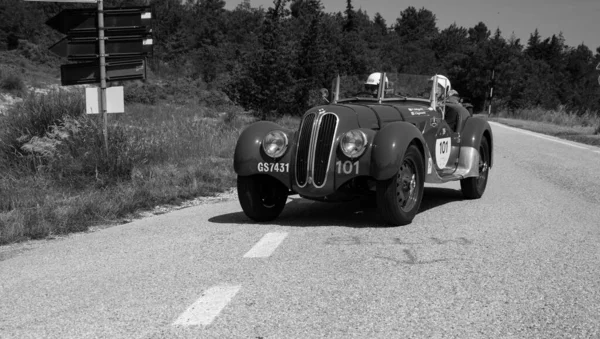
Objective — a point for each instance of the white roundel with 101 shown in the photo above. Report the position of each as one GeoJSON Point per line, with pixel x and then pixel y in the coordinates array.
{"type": "Point", "coordinates": [442, 151]}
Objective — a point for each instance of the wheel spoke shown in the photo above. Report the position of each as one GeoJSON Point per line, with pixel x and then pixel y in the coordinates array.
{"type": "Point", "coordinates": [406, 189]}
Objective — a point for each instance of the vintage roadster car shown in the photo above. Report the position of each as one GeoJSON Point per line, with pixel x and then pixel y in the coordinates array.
{"type": "Point", "coordinates": [381, 138]}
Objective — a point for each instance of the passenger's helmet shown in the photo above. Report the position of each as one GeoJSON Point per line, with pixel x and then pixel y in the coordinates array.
{"type": "Point", "coordinates": [443, 82]}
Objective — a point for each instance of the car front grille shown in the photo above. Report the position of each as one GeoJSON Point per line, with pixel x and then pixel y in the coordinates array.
{"type": "Point", "coordinates": [315, 144]}
{"type": "Point", "coordinates": [303, 149]}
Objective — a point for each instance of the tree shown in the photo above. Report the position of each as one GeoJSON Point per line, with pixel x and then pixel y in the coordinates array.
{"type": "Point", "coordinates": [265, 83]}
{"type": "Point", "coordinates": [479, 33]}
{"type": "Point", "coordinates": [380, 24]}
{"type": "Point", "coordinates": [413, 25]}
{"type": "Point", "coordinates": [350, 23]}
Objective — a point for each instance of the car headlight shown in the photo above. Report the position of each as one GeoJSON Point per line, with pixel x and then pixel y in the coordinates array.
{"type": "Point", "coordinates": [354, 143]}
{"type": "Point", "coordinates": [275, 144]}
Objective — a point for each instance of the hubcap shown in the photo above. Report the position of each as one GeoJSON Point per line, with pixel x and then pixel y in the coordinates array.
{"type": "Point", "coordinates": [483, 170]}
{"type": "Point", "coordinates": [406, 186]}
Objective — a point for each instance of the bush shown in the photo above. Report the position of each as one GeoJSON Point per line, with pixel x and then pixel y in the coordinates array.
{"type": "Point", "coordinates": [37, 54]}
{"type": "Point", "coordinates": [31, 120]}
{"type": "Point", "coordinates": [34, 116]}
{"type": "Point", "coordinates": [12, 83]}
{"type": "Point", "coordinates": [75, 148]}
{"type": "Point", "coordinates": [143, 93]}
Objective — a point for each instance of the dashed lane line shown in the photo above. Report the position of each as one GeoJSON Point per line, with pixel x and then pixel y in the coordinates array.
{"type": "Point", "coordinates": [540, 136]}
{"type": "Point", "coordinates": [208, 306]}
{"type": "Point", "coordinates": [267, 245]}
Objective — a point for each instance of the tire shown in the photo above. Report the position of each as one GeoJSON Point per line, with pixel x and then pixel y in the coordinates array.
{"type": "Point", "coordinates": [473, 188]}
{"type": "Point", "coordinates": [399, 197]}
{"type": "Point", "coordinates": [262, 197]}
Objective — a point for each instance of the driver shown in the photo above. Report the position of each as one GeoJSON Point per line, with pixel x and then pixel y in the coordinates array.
{"type": "Point", "coordinates": [372, 83]}
{"type": "Point", "coordinates": [443, 87]}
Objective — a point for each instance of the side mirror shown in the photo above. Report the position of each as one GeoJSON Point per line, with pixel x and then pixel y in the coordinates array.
{"type": "Point", "coordinates": [325, 94]}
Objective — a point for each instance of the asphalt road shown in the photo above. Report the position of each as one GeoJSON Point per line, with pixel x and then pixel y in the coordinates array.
{"type": "Point", "coordinates": [521, 262]}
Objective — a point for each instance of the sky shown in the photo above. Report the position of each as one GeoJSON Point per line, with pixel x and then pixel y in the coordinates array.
{"type": "Point", "coordinates": [578, 20]}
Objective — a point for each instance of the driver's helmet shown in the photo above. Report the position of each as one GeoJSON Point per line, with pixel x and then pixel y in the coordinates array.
{"type": "Point", "coordinates": [372, 83]}
{"type": "Point", "coordinates": [443, 84]}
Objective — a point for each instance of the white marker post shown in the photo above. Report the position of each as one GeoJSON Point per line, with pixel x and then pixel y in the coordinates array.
{"type": "Point", "coordinates": [491, 94]}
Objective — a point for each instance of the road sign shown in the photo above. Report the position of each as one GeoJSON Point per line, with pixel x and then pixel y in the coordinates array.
{"type": "Point", "coordinates": [101, 35]}
{"type": "Point", "coordinates": [71, 1]}
{"type": "Point", "coordinates": [127, 32]}
{"type": "Point", "coordinates": [89, 72]}
{"type": "Point", "coordinates": [73, 21]}
{"type": "Point", "coordinates": [87, 48]}
{"type": "Point", "coordinates": [115, 102]}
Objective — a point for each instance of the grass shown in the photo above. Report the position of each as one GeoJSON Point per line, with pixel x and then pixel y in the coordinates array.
{"type": "Point", "coordinates": [55, 177]}
{"type": "Point", "coordinates": [583, 128]}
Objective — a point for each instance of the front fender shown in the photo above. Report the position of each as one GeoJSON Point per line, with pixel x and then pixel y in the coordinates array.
{"type": "Point", "coordinates": [389, 147]}
{"type": "Point", "coordinates": [249, 153]}
{"type": "Point", "coordinates": [473, 132]}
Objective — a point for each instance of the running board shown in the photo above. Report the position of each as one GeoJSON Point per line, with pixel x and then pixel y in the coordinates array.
{"type": "Point", "coordinates": [468, 166]}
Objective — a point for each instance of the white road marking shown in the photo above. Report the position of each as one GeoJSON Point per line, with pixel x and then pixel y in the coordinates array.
{"type": "Point", "coordinates": [208, 307]}
{"type": "Point", "coordinates": [541, 136]}
{"type": "Point", "coordinates": [266, 246]}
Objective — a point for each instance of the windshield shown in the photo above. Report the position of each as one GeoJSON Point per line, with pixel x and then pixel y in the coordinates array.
{"type": "Point", "coordinates": [397, 86]}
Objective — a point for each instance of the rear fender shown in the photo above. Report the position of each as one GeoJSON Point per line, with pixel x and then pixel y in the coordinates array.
{"type": "Point", "coordinates": [389, 146]}
{"type": "Point", "coordinates": [249, 157]}
{"type": "Point", "coordinates": [474, 130]}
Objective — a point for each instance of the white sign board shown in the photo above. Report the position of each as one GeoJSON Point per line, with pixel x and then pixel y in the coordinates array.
{"type": "Point", "coordinates": [115, 102]}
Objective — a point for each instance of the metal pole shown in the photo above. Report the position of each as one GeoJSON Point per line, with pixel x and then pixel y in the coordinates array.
{"type": "Point", "coordinates": [102, 73]}
{"type": "Point", "coordinates": [491, 94]}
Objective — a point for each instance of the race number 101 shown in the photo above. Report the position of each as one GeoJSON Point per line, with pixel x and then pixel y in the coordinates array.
{"type": "Point", "coordinates": [347, 167]}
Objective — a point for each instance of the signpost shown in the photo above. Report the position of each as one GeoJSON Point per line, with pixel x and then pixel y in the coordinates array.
{"type": "Point", "coordinates": [110, 43]}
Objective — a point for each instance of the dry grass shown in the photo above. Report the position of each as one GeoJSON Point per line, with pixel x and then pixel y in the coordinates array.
{"type": "Point", "coordinates": [174, 153]}
{"type": "Point", "coordinates": [576, 126]}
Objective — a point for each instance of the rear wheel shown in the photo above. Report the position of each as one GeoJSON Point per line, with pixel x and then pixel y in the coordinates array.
{"type": "Point", "coordinates": [473, 188]}
{"type": "Point", "coordinates": [262, 197]}
{"type": "Point", "coordinates": [399, 197]}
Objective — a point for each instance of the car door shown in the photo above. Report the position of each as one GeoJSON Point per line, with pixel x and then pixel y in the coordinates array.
{"type": "Point", "coordinates": [444, 145]}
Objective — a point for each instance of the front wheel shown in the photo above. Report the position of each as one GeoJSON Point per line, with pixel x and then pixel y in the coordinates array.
{"type": "Point", "coordinates": [473, 188]}
{"type": "Point", "coordinates": [262, 197]}
{"type": "Point", "coordinates": [399, 198]}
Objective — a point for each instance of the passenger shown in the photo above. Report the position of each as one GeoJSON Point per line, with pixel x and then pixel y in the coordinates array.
{"type": "Point", "coordinates": [453, 97]}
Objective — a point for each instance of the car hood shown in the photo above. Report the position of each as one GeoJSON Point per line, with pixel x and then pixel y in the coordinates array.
{"type": "Point", "coordinates": [374, 115]}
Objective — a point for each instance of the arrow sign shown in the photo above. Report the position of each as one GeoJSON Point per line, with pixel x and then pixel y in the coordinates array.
{"type": "Point", "coordinates": [89, 73]}
{"type": "Point", "coordinates": [71, 1]}
{"type": "Point", "coordinates": [86, 20]}
{"type": "Point", "coordinates": [87, 48]}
